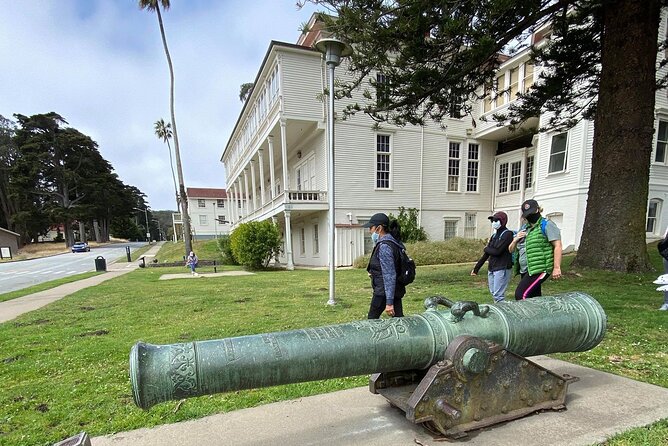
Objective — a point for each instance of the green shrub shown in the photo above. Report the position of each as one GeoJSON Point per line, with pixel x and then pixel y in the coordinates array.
{"type": "Point", "coordinates": [225, 246]}
{"type": "Point", "coordinates": [456, 250]}
{"type": "Point", "coordinates": [411, 231]}
{"type": "Point", "coordinates": [255, 243]}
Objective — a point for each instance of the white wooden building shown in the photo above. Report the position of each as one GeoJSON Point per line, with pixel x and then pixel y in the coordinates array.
{"type": "Point", "coordinates": [456, 173]}
{"type": "Point", "coordinates": [208, 209]}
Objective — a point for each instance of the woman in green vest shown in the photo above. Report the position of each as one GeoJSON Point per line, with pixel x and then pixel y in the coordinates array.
{"type": "Point", "coordinates": [539, 245]}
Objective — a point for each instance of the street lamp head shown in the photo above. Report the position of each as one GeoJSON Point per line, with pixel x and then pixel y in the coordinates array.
{"type": "Point", "coordinates": [334, 50]}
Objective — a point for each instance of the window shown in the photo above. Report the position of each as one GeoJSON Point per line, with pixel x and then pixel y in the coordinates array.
{"type": "Point", "coordinates": [453, 167]}
{"type": "Point", "coordinates": [469, 225]}
{"type": "Point", "coordinates": [500, 86]}
{"type": "Point", "coordinates": [558, 153]}
{"type": "Point", "coordinates": [487, 101]}
{"type": "Point", "coordinates": [203, 220]}
{"type": "Point", "coordinates": [220, 204]}
{"type": "Point", "coordinates": [528, 76]}
{"type": "Point", "coordinates": [528, 179]}
{"type": "Point", "coordinates": [383, 154]}
{"type": "Point", "coordinates": [302, 241]}
{"type": "Point", "coordinates": [472, 168]}
{"type": "Point", "coordinates": [222, 220]}
{"type": "Point", "coordinates": [514, 82]}
{"type": "Point", "coordinates": [515, 176]}
{"type": "Point", "coordinates": [652, 216]}
{"type": "Point", "coordinates": [201, 203]}
{"type": "Point", "coordinates": [316, 240]}
{"type": "Point", "coordinates": [503, 178]}
{"type": "Point", "coordinates": [661, 141]}
{"type": "Point", "coordinates": [450, 229]}
{"type": "Point", "coordinates": [382, 90]}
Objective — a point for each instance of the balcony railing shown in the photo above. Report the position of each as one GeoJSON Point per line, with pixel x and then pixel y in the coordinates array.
{"type": "Point", "coordinates": [301, 196]}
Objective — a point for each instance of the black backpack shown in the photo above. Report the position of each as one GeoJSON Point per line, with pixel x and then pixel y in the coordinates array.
{"type": "Point", "coordinates": [406, 272]}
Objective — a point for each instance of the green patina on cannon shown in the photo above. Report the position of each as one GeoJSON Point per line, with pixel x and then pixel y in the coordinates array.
{"type": "Point", "coordinates": [454, 369]}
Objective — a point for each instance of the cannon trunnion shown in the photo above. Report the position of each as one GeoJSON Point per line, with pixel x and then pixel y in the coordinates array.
{"type": "Point", "coordinates": [455, 369]}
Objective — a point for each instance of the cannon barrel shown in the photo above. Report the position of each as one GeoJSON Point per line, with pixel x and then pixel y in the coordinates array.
{"type": "Point", "coordinates": [568, 322]}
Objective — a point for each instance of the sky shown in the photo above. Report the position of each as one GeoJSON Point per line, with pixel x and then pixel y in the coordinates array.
{"type": "Point", "coordinates": [100, 64]}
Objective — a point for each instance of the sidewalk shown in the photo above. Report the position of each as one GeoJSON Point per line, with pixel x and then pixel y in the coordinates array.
{"type": "Point", "coordinates": [598, 406]}
{"type": "Point", "coordinates": [13, 308]}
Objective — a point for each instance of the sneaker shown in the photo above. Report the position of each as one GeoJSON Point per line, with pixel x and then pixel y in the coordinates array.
{"type": "Point", "coordinates": [663, 288]}
{"type": "Point", "coordinates": [664, 307]}
{"type": "Point", "coordinates": [662, 280]}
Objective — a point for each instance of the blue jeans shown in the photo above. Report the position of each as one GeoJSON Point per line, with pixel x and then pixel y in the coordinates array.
{"type": "Point", "coordinates": [498, 282]}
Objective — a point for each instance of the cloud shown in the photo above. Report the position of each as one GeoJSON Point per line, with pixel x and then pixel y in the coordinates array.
{"type": "Point", "coordinates": [101, 65]}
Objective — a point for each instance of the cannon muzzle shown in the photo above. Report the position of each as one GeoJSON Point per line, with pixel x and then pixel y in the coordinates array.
{"type": "Point", "coordinates": [569, 322]}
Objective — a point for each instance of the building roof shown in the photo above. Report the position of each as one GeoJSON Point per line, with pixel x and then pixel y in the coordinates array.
{"type": "Point", "coordinates": [205, 192]}
{"type": "Point", "coordinates": [10, 232]}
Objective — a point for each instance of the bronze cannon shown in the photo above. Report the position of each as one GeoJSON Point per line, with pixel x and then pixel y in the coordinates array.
{"type": "Point", "coordinates": [456, 369]}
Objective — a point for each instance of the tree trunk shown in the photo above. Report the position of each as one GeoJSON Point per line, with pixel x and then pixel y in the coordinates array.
{"type": "Point", "coordinates": [82, 232]}
{"type": "Point", "coordinates": [177, 154]}
{"type": "Point", "coordinates": [613, 235]}
{"type": "Point", "coordinates": [96, 230]}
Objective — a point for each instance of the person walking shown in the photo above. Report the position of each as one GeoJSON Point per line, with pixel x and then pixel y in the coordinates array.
{"type": "Point", "coordinates": [192, 261]}
{"type": "Point", "coordinates": [383, 265]}
{"type": "Point", "coordinates": [539, 245]}
{"type": "Point", "coordinates": [500, 266]}
{"type": "Point", "coordinates": [663, 279]}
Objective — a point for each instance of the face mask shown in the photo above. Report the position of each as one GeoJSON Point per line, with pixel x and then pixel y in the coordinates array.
{"type": "Point", "coordinates": [496, 225]}
{"type": "Point", "coordinates": [374, 237]}
{"type": "Point", "coordinates": [533, 218]}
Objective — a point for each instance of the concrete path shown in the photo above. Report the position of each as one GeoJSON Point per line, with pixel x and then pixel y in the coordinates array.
{"type": "Point", "coordinates": [13, 308]}
{"type": "Point", "coordinates": [200, 275]}
{"type": "Point", "coordinates": [599, 405]}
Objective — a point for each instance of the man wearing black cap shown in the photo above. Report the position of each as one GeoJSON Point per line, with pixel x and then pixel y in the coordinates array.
{"type": "Point", "coordinates": [383, 265]}
{"type": "Point", "coordinates": [499, 269]}
{"type": "Point", "coordinates": [539, 244]}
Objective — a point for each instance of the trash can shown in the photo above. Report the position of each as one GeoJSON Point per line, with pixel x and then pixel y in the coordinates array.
{"type": "Point", "coordinates": [100, 264]}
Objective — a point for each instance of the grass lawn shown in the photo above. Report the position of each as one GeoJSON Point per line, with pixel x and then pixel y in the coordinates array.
{"type": "Point", "coordinates": [64, 368]}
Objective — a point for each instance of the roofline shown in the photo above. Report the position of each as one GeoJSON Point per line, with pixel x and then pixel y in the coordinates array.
{"type": "Point", "coordinates": [11, 232]}
{"type": "Point", "coordinates": [272, 45]}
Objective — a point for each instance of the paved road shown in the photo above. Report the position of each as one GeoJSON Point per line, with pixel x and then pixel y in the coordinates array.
{"type": "Point", "coordinates": [19, 275]}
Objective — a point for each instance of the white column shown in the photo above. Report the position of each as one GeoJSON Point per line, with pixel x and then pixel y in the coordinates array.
{"type": "Point", "coordinates": [272, 168]}
{"type": "Point", "coordinates": [234, 216]}
{"type": "Point", "coordinates": [284, 156]}
{"type": "Point", "coordinates": [254, 184]}
{"type": "Point", "coordinates": [240, 193]}
{"type": "Point", "coordinates": [229, 205]}
{"type": "Point", "coordinates": [261, 163]}
{"type": "Point", "coordinates": [288, 242]}
{"type": "Point", "coordinates": [247, 201]}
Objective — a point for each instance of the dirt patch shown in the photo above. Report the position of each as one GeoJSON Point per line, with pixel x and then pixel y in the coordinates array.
{"type": "Point", "coordinates": [95, 333]}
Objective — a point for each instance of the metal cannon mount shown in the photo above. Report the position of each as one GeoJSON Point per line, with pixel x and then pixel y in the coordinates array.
{"type": "Point", "coordinates": [477, 384]}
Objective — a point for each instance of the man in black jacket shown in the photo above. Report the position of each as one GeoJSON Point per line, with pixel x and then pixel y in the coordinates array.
{"type": "Point", "coordinates": [500, 265]}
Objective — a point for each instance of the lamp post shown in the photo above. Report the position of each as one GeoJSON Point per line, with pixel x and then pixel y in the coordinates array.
{"type": "Point", "coordinates": [215, 219]}
{"type": "Point", "coordinates": [333, 50]}
{"type": "Point", "coordinates": [148, 231]}
{"type": "Point", "coordinates": [159, 230]}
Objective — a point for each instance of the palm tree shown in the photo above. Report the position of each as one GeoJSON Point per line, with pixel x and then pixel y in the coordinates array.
{"type": "Point", "coordinates": [163, 130]}
{"type": "Point", "coordinates": [154, 5]}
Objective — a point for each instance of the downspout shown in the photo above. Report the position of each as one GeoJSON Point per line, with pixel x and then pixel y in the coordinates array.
{"type": "Point", "coordinates": [421, 174]}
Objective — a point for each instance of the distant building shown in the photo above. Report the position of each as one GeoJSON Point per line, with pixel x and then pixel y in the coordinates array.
{"type": "Point", "coordinates": [209, 214]}
{"type": "Point", "coordinates": [9, 243]}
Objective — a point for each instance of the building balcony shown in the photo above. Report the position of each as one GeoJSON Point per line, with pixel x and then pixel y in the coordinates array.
{"type": "Point", "coordinates": [302, 201]}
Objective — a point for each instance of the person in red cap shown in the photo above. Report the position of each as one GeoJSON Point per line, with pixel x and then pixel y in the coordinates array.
{"type": "Point", "coordinates": [383, 266]}
{"type": "Point", "coordinates": [539, 246]}
{"type": "Point", "coordinates": [500, 266]}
